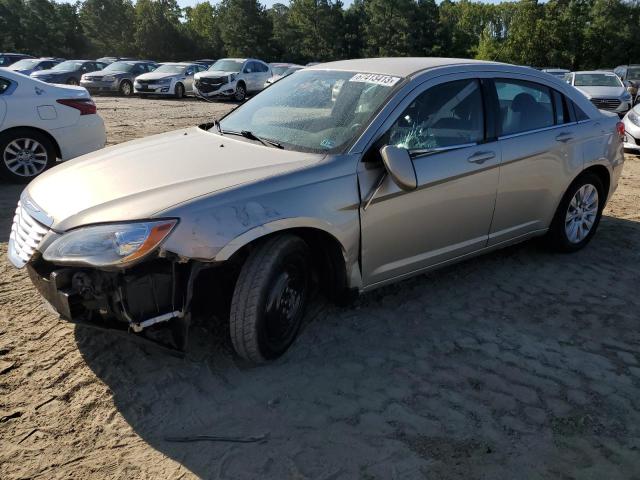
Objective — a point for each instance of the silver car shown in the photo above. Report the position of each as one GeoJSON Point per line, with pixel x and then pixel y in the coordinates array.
{"type": "Point", "coordinates": [117, 77]}
{"type": "Point", "coordinates": [418, 163]}
{"type": "Point", "coordinates": [175, 79]}
{"type": "Point", "coordinates": [632, 129]}
{"type": "Point", "coordinates": [604, 89]}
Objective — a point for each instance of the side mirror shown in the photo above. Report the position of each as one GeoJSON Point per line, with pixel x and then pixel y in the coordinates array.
{"type": "Point", "coordinates": [400, 167]}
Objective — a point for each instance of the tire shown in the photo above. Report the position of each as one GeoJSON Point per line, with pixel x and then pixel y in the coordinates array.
{"type": "Point", "coordinates": [576, 219]}
{"type": "Point", "coordinates": [241, 93]}
{"type": "Point", "coordinates": [270, 299]}
{"type": "Point", "coordinates": [72, 81]}
{"type": "Point", "coordinates": [25, 154]}
{"type": "Point", "coordinates": [126, 88]}
{"type": "Point", "coordinates": [179, 91]}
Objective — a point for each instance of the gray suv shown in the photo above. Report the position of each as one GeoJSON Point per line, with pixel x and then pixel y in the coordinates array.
{"type": "Point", "coordinates": [117, 77]}
{"type": "Point", "coordinates": [416, 163]}
{"type": "Point", "coordinates": [69, 71]}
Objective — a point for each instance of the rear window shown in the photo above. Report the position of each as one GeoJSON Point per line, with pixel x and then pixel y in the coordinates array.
{"type": "Point", "coordinates": [524, 106]}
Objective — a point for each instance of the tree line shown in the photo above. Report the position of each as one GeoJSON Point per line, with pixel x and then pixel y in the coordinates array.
{"type": "Point", "coordinates": [575, 34]}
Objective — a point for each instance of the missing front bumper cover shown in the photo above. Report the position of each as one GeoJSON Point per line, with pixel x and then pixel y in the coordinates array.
{"type": "Point", "coordinates": [140, 302]}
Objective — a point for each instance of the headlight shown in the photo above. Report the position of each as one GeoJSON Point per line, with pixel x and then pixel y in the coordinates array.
{"type": "Point", "coordinates": [634, 117]}
{"type": "Point", "coordinates": [109, 245]}
{"type": "Point", "coordinates": [109, 78]}
{"type": "Point", "coordinates": [164, 81]}
{"type": "Point", "coordinates": [626, 97]}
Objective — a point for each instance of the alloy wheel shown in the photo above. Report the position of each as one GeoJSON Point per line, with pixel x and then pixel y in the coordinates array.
{"type": "Point", "coordinates": [25, 157]}
{"type": "Point", "coordinates": [582, 213]}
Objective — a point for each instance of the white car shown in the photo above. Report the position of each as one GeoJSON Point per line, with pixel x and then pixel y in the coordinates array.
{"type": "Point", "coordinates": [175, 79]}
{"type": "Point", "coordinates": [281, 70]}
{"type": "Point", "coordinates": [41, 123]}
{"type": "Point", "coordinates": [232, 78]}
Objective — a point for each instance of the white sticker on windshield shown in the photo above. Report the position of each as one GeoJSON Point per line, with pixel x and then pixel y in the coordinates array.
{"type": "Point", "coordinates": [386, 80]}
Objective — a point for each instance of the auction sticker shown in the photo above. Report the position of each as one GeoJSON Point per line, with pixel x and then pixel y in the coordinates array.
{"type": "Point", "coordinates": [386, 80]}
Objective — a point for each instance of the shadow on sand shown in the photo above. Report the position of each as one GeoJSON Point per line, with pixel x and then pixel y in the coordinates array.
{"type": "Point", "coordinates": [434, 374]}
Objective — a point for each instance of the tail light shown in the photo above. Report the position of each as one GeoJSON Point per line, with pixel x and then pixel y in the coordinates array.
{"type": "Point", "coordinates": [85, 105]}
{"type": "Point", "coordinates": [620, 129]}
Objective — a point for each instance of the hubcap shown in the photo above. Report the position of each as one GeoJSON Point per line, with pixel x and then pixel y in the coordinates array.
{"type": "Point", "coordinates": [240, 93]}
{"type": "Point", "coordinates": [25, 157]}
{"type": "Point", "coordinates": [284, 305]}
{"type": "Point", "coordinates": [126, 89]}
{"type": "Point", "coordinates": [582, 213]}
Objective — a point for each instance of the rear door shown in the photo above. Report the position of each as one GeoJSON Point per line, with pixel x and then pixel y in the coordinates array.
{"type": "Point", "coordinates": [537, 139]}
{"type": "Point", "coordinates": [449, 214]}
{"type": "Point", "coordinates": [188, 78]}
{"type": "Point", "coordinates": [4, 87]}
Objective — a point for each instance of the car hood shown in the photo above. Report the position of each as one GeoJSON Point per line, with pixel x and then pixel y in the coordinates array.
{"type": "Point", "coordinates": [43, 73]}
{"type": "Point", "coordinates": [602, 92]}
{"type": "Point", "coordinates": [103, 73]}
{"type": "Point", "coordinates": [138, 179]}
{"type": "Point", "coordinates": [158, 75]}
{"type": "Point", "coordinates": [215, 73]}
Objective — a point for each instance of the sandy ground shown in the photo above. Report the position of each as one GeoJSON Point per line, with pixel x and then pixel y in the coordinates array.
{"type": "Point", "coordinates": [520, 364]}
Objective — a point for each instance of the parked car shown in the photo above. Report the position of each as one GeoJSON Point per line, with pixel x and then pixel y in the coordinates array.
{"type": "Point", "coordinates": [402, 174]}
{"type": "Point", "coordinates": [27, 66]}
{"type": "Point", "coordinates": [7, 59]}
{"type": "Point", "coordinates": [117, 77]}
{"type": "Point", "coordinates": [110, 60]}
{"type": "Point", "coordinates": [69, 71]}
{"type": "Point", "coordinates": [174, 79]}
{"type": "Point", "coordinates": [556, 72]}
{"type": "Point", "coordinates": [232, 78]}
{"type": "Point", "coordinates": [630, 76]}
{"type": "Point", "coordinates": [281, 70]}
{"type": "Point", "coordinates": [632, 129]}
{"type": "Point", "coordinates": [605, 90]}
{"type": "Point", "coordinates": [207, 62]}
{"type": "Point", "coordinates": [41, 124]}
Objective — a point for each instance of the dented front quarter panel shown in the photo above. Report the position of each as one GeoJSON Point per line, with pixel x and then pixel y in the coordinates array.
{"type": "Point", "coordinates": [323, 196]}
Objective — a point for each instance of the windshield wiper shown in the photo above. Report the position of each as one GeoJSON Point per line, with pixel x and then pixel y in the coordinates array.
{"type": "Point", "coordinates": [251, 136]}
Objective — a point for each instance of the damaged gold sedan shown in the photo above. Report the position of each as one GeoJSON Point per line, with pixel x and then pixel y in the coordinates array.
{"type": "Point", "coordinates": [343, 177]}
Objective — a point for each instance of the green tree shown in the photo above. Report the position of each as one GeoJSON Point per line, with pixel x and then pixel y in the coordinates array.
{"type": "Point", "coordinates": [389, 28]}
{"type": "Point", "coordinates": [284, 37]}
{"type": "Point", "coordinates": [201, 24]}
{"type": "Point", "coordinates": [109, 26]}
{"type": "Point", "coordinates": [159, 33]}
{"type": "Point", "coordinates": [245, 28]}
{"type": "Point", "coordinates": [319, 27]}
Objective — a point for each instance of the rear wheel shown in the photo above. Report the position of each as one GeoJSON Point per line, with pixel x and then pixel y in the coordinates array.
{"type": "Point", "coordinates": [578, 214]}
{"type": "Point", "coordinates": [126, 89]}
{"type": "Point", "coordinates": [24, 154]}
{"type": "Point", "coordinates": [179, 91]}
{"type": "Point", "coordinates": [270, 298]}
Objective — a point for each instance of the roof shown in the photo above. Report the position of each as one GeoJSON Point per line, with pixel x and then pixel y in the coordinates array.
{"type": "Point", "coordinates": [400, 66]}
{"type": "Point", "coordinates": [596, 72]}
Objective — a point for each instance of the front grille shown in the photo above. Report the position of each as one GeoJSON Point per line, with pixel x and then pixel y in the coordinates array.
{"type": "Point", "coordinates": [26, 235]}
{"type": "Point", "coordinates": [606, 103]}
{"type": "Point", "coordinates": [144, 82]}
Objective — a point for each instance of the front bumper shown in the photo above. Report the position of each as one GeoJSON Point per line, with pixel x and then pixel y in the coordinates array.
{"type": "Point", "coordinates": [631, 136]}
{"type": "Point", "coordinates": [95, 86]}
{"type": "Point", "coordinates": [207, 90]}
{"type": "Point", "coordinates": [153, 88]}
{"type": "Point", "coordinates": [122, 300]}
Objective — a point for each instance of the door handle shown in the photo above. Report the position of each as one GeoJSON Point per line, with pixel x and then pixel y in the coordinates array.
{"type": "Point", "coordinates": [565, 137]}
{"type": "Point", "coordinates": [481, 157]}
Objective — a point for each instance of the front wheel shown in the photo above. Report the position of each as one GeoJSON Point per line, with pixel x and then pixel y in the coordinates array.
{"type": "Point", "coordinates": [126, 89]}
{"type": "Point", "coordinates": [179, 91]}
{"type": "Point", "coordinates": [578, 214]}
{"type": "Point", "coordinates": [270, 299]}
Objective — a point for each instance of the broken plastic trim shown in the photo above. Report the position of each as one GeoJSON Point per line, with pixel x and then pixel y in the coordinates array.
{"type": "Point", "coordinates": [139, 326]}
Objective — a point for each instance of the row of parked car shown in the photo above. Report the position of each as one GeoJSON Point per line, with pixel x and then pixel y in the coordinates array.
{"type": "Point", "coordinates": [614, 90]}
{"type": "Point", "coordinates": [226, 78]}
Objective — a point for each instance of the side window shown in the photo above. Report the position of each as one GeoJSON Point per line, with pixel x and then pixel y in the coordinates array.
{"type": "Point", "coordinates": [189, 71]}
{"type": "Point", "coordinates": [580, 115]}
{"type": "Point", "coordinates": [4, 85]}
{"type": "Point", "coordinates": [524, 106]}
{"type": "Point", "coordinates": [248, 68]}
{"type": "Point", "coordinates": [263, 68]}
{"type": "Point", "coordinates": [560, 109]}
{"type": "Point", "coordinates": [446, 115]}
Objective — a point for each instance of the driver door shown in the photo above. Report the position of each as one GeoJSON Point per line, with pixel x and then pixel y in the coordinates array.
{"type": "Point", "coordinates": [456, 160]}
